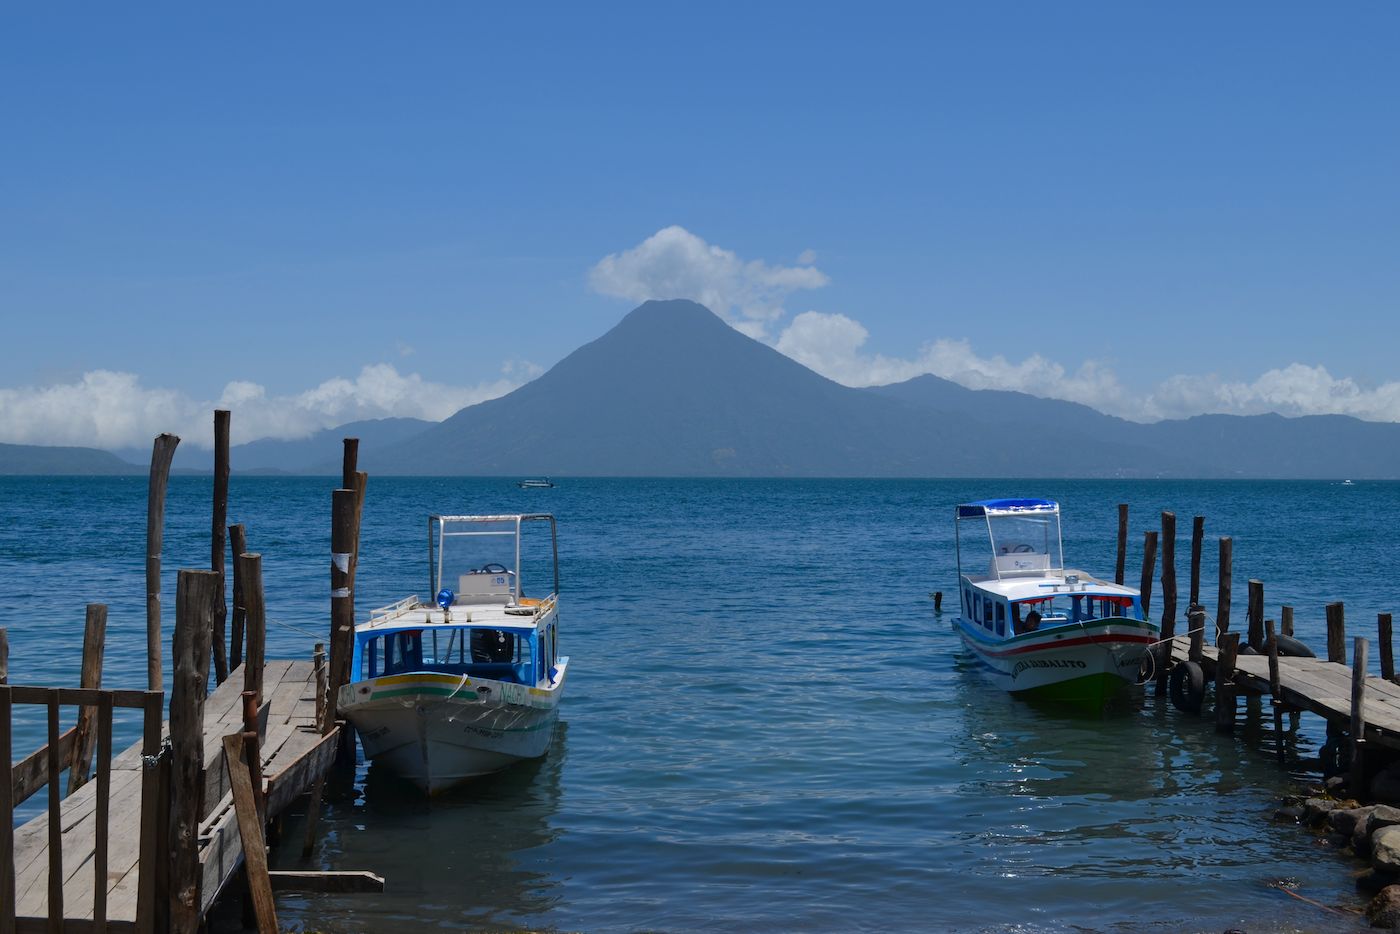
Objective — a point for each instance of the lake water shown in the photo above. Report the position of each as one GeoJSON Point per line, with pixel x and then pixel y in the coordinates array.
{"type": "Point", "coordinates": [766, 726]}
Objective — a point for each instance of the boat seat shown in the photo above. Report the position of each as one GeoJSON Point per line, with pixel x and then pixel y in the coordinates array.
{"type": "Point", "coordinates": [485, 587]}
{"type": "Point", "coordinates": [1012, 564]}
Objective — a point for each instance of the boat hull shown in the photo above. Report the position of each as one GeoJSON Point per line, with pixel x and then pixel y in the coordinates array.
{"type": "Point", "coordinates": [437, 731]}
{"type": "Point", "coordinates": [1082, 664]}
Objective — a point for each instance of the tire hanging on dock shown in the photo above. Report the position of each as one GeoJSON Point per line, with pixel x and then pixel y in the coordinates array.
{"type": "Point", "coordinates": [1293, 648]}
{"type": "Point", "coordinates": [1187, 687]}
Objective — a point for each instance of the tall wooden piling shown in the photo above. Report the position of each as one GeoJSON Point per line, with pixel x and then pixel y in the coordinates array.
{"type": "Point", "coordinates": [194, 606]}
{"type": "Point", "coordinates": [1275, 687]}
{"type": "Point", "coordinates": [7, 803]}
{"type": "Point", "coordinates": [1222, 604]}
{"type": "Point", "coordinates": [1164, 655]}
{"type": "Point", "coordinates": [85, 739]}
{"type": "Point", "coordinates": [161, 455]}
{"type": "Point", "coordinates": [1122, 543]}
{"type": "Point", "coordinates": [1196, 626]}
{"type": "Point", "coordinates": [1387, 653]}
{"type": "Point", "coordinates": [255, 615]}
{"type": "Point", "coordinates": [1225, 682]}
{"type": "Point", "coordinates": [238, 543]}
{"type": "Point", "coordinates": [1336, 633]}
{"type": "Point", "coordinates": [342, 598]}
{"type": "Point", "coordinates": [1286, 621]}
{"type": "Point", "coordinates": [1198, 534]}
{"type": "Point", "coordinates": [1255, 615]}
{"type": "Point", "coordinates": [1149, 568]}
{"type": "Point", "coordinates": [4, 657]}
{"type": "Point", "coordinates": [1358, 718]}
{"type": "Point", "coordinates": [218, 543]}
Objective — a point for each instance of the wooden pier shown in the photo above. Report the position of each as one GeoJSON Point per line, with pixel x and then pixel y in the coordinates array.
{"type": "Point", "coordinates": [149, 843]}
{"type": "Point", "coordinates": [294, 754]}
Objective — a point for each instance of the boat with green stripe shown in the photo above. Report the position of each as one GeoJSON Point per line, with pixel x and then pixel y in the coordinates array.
{"type": "Point", "coordinates": [1034, 628]}
{"type": "Point", "coordinates": [470, 683]}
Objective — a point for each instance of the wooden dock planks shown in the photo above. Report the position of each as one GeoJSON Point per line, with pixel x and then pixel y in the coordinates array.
{"type": "Point", "coordinates": [1317, 686]}
{"type": "Point", "coordinates": [293, 754]}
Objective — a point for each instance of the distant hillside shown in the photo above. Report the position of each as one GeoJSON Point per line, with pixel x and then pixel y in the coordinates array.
{"type": "Point", "coordinates": [313, 455]}
{"type": "Point", "coordinates": [674, 391]}
{"type": "Point", "coordinates": [1255, 446]}
{"type": "Point", "coordinates": [68, 462]}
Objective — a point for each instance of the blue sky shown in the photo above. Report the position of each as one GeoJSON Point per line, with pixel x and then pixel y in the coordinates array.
{"type": "Point", "coordinates": [250, 205]}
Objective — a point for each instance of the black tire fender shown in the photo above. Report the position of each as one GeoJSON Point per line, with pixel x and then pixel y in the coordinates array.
{"type": "Point", "coordinates": [1187, 687]}
{"type": "Point", "coordinates": [1293, 648]}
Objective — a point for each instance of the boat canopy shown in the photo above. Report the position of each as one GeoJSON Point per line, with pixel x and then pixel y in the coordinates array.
{"type": "Point", "coordinates": [478, 559]}
{"type": "Point", "coordinates": [1016, 537]}
{"type": "Point", "coordinates": [1005, 507]}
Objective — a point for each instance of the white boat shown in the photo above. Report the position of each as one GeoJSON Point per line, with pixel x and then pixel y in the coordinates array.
{"type": "Point", "coordinates": [470, 683]}
{"type": "Point", "coordinates": [1035, 628]}
{"type": "Point", "coordinates": [541, 483]}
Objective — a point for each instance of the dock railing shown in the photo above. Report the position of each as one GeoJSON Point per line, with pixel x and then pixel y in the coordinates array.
{"type": "Point", "coordinates": [43, 767]}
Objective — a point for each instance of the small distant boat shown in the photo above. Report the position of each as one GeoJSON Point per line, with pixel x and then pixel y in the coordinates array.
{"type": "Point", "coordinates": [1035, 628]}
{"type": "Point", "coordinates": [541, 483]}
{"type": "Point", "coordinates": [1348, 483]}
{"type": "Point", "coordinates": [470, 683]}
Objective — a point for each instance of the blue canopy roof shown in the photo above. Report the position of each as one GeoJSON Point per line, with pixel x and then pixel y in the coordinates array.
{"type": "Point", "coordinates": [1005, 507]}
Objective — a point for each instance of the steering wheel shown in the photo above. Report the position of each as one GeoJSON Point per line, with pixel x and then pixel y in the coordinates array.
{"type": "Point", "coordinates": [1023, 550]}
{"type": "Point", "coordinates": [494, 568]}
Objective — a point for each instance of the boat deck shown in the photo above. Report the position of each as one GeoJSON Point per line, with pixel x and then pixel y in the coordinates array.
{"type": "Point", "coordinates": [294, 754]}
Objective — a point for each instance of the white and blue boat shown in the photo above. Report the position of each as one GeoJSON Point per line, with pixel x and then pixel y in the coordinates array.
{"type": "Point", "coordinates": [470, 683]}
{"type": "Point", "coordinates": [1035, 628]}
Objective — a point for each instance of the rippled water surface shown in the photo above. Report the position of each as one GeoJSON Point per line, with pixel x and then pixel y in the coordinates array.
{"type": "Point", "coordinates": [766, 726]}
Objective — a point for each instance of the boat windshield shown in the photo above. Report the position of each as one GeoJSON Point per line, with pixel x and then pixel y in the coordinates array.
{"type": "Point", "coordinates": [1021, 538]}
{"type": "Point", "coordinates": [486, 559]}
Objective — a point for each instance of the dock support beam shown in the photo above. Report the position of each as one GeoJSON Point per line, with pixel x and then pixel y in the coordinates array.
{"type": "Point", "coordinates": [1357, 786]}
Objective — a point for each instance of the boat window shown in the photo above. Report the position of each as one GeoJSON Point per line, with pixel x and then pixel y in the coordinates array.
{"type": "Point", "coordinates": [403, 652]}
{"type": "Point", "coordinates": [967, 602]}
{"type": "Point", "coordinates": [1001, 618]}
{"type": "Point", "coordinates": [372, 659]}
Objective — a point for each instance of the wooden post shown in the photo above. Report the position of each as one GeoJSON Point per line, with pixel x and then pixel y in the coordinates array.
{"type": "Point", "coordinates": [1275, 687]}
{"type": "Point", "coordinates": [1225, 683]}
{"type": "Point", "coordinates": [1222, 606]}
{"type": "Point", "coordinates": [1196, 626]}
{"type": "Point", "coordinates": [348, 463]}
{"type": "Point", "coordinates": [217, 542]}
{"type": "Point", "coordinates": [313, 810]}
{"type": "Point", "coordinates": [251, 831]}
{"type": "Point", "coordinates": [1256, 615]}
{"type": "Point", "coordinates": [104, 804]}
{"type": "Point", "coordinates": [4, 656]}
{"type": "Point", "coordinates": [56, 874]}
{"type": "Point", "coordinates": [238, 542]}
{"type": "Point", "coordinates": [1149, 567]}
{"type": "Point", "coordinates": [252, 752]}
{"type": "Point", "coordinates": [1357, 787]}
{"type": "Point", "coordinates": [194, 607]}
{"type": "Point", "coordinates": [938, 601]}
{"type": "Point", "coordinates": [1387, 655]}
{"type": "Point", "coordinates": [161, 455]}
{"type": "Point", "coordinates": [7, 822]}
{"type": "Point", "coordinates": [1336, 633]}
{"type": "Point", "coordinates": [1286, 621]}
{"type": "Point", "coordinates": [94, 642]}
{"type": "Point", "coordinates": [255, 614]}
{"type": "Point", "coordinates": [1198, 534]}
{"type": "Point", "coordinates": [1122, 543]}
{"type": "Point", "coordinates": [7, 810]}
{"type": "Point", "coordinates": [152, 914]}
{"type": "Point", "coordinates": [342, 598]}
{"type": "Point", "coordinates": [1164, 656]}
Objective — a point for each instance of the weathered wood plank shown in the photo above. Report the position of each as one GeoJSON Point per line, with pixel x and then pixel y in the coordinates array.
{"type": "Point", "coordinates": [250, 829]}
{"type": "Point", "coordinates": [32, 773]}
{"type": "Point", "coordinates": [337, 881]}
{"type": "Point", "coordinates": [94, 641]}
{"type": "Point", "coordinates": [298, 775]}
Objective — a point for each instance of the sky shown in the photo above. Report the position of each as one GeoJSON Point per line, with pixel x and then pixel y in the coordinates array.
{"type": "Point", "coordinates": [322, 212]}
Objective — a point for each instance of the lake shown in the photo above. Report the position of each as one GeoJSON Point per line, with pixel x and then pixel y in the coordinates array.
{"type": "Point", "coordinates": [766, 726]}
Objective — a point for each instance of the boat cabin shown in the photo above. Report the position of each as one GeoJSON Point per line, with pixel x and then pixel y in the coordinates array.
{"type": "Point", "coordinates": [482, 624]}
{"type": "Point", "coordinates": [1012, 576]}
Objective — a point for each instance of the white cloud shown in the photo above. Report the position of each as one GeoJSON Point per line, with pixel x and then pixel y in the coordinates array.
{"type": "Point", "coordinates": [674, 263]}
{"type": "Point", "coordinates": [830, 344]}
{"type": "Point", "coordinates": [112, 410]}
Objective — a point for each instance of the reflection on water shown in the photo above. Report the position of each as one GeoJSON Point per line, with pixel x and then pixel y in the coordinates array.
{"type": "Point", "coordinates": [480, 836]}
